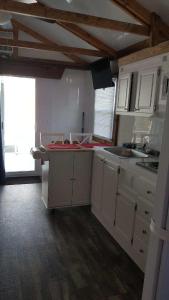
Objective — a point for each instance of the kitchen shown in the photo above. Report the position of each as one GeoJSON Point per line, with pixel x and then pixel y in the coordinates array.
{"type": "Point", "coordinates": [116, 187]}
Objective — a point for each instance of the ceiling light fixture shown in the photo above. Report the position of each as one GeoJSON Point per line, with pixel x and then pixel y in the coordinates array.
{"type": "Point", "coordinates": [69, 1]}
{"type": "Point", "coordinates": [5, 18]}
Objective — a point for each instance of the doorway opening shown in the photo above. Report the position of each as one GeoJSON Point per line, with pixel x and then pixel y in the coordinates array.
{"type": "Point", "coordinates": [18, 117]}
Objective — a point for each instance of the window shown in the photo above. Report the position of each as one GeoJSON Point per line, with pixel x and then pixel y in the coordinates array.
{"type": "Point", "coordinates": [104, 111]}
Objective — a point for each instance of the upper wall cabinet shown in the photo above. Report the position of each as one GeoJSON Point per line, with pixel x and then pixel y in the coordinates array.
{"type": "Point", "coordinates": [138, 92]}
{"type": "Point", "coordinates": [123, 92]}
{"type": "Point", "coordinates": [147, 91]}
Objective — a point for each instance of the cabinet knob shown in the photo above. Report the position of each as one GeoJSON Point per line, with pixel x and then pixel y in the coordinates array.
{"type": "Point", "coordinates": [141, 251]}
{"type": "Point", "coordinates": [149, 192]}
{"type": "Point", "coordinates": [144, 231]}
{"type": "Point", "coordinates": [146, 212]}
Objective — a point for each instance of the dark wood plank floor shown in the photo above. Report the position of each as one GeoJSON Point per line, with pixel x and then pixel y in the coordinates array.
{"type": "Point", "coordinates": [67, 255]}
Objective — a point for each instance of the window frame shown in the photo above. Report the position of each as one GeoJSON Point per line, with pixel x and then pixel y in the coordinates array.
{"type": "Point", "coordinates": [113, 139]}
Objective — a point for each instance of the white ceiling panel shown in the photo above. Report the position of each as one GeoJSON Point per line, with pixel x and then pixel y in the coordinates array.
{"type": "Point", "coordinates": [99, 8]}
{"type": "Point", "coordinates": [54, 32]}
{"type": "Point", "coordinates": [161, 7]}
{"type": "Point", "coordinates": [114, 39]}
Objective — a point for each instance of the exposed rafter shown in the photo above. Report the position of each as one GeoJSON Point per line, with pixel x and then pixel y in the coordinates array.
{"type": "Point", "coordinates": [133, 48]}
{"type": "Point", "coordinates": [40, 46]}
{"type": "Point", "coordinates": [159, 30]}
{"type": "Point", "coordinates": [6, 30]}
{"type": "Point", "coordinates": [37, 10]}
{"type": "Point", "coordinates": [145, 53]}
{"type": "Point", "coordinates": [87, 37]}
{"type": "Point", "coordinates": [20, 26]}
{"type": "Point", "coordinates": [135, 9]}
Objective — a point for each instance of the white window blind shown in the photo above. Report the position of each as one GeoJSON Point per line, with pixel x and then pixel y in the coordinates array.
{"type": "Point", "coordinates": [104, 111]}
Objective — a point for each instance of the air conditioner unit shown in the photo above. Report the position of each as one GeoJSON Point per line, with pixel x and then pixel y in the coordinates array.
{"type": "Point", "coordinates": [6, 51]}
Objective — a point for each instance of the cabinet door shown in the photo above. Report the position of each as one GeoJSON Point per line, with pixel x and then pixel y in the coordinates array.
{"type": "Point", "coordinates": [125, 217]}
{"type": "Point", "coordinates": [82, 178]}
{"type": "Point", "coordinates": [109, 195]}
{"type": "Point", "coordinates": [97, 184]}
{"type": "Point", "coordinates": [146, 92]}
{"type": "Point", "coordinates": [123, 92]}
{"type": "Point", "coordinates": [60, 179]}
{"type": "Point", "coordinates": [45, 174]}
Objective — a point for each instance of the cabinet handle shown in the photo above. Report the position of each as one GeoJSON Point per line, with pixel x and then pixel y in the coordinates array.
{"type": "Point", "coordinates": [144, 231]}
{"type": "Point", "coordinates": [149, 192]}
{"type": "Point", "coordinates": [146, 212]}
{"type": "Point", "coordinates": [141, 251]}
{"type": "Point", "coordinates": [72, 179]}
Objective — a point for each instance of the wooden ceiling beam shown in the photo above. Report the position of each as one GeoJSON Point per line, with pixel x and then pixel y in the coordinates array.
{"type": "Point", "coordinates": [87, 37]}
{"type": "Point", "coordinates": [159, 49]}
{"type": "Point", "coordinates": [133, 48]}
{"type": "Point", "coordinates": [159, 30]}
{"type": "Point", "coordinates": [39, 46]}
{"type": "Point", "coordinates": [6, 30]}
{"type": "Point", "coordinates": [135, 9]}
{"type": "Point", "coordinates": [20, 26]}
{"type": "Point", "coordinates": [40, 11]}
{"type": "Point", "coordinates": [26, 66]}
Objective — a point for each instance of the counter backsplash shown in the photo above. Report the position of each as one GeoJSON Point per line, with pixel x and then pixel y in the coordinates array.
{"type": "Point", "coordinates": [142, 130]}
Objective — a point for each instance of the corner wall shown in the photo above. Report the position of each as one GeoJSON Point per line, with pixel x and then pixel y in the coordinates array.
{"type": "Point", "coordinates": [60, 103]}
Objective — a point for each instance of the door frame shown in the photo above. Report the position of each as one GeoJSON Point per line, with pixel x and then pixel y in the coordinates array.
{"type": "Point", "coordinates": [36, 172]}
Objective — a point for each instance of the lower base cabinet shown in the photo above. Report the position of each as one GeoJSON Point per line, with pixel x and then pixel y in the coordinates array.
{"type": "Point", "coordinates": [121, 210]}
{"type": "Point", "coordinates": [104, 190]}
{"type": "Point", "coordinates": [66, 179]}
{"type": "Point", "coordinates": [125, 218]}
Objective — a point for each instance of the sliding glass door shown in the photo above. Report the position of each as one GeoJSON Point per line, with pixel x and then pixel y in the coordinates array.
{"type": "Point", "coordinates": [18, 95]}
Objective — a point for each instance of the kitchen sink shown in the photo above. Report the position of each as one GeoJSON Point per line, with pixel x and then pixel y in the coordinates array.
{"type": "Point", "coordinates": [126, 153]}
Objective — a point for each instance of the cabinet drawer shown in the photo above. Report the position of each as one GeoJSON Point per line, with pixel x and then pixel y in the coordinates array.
{"type": "Point", "coordinates": [144, 188]}
{"type": "Point", "coordinates": [144, 209]}
{"type": "Point", "coordinates": [140, 252]}
{"type": "Point", "coordinates": [141, 230]}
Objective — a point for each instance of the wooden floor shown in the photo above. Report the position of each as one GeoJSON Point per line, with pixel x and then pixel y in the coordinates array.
{"type": "Point", "coordinates": [66, 255]}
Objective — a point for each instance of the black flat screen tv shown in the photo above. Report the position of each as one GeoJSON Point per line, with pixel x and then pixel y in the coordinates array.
{"type": "Point", "coordinates": [101, 74]}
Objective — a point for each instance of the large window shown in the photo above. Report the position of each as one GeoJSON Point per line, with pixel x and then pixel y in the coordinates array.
{"type": "Point", "coordinates": [104, 112]}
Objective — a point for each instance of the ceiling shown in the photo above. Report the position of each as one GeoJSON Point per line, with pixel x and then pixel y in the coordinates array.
{"type": "Point", "coordinates": [107, 9]}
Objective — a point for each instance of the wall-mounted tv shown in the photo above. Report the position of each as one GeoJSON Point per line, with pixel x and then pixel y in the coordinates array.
{"type": "Point", "coordinates": [101, 74]}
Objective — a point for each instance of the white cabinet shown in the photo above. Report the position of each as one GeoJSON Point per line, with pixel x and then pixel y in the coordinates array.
{"type": "Point", "coordinates": [138, 92]}
{"type": "Point", "coordinates": [104, 190]}
{"type": "Point", "coordinates": [66, 179]}
{"type": "Point", "coordinates": [97, 183]}
{"type": "Point", "coordinates": [81, 178]}
{"type": "Point", "coordinates": [60, 179]}
{"type": "Point", "coordinates": [123, 92]}
{"type": "Point", "coordinates": [122, 202]}
{"type": "Point", "coordinates": [109, 194]}
{"type": "Point", "coordinates": [147, 91]}
{"type": "Point", "coordinates": [125, 217]}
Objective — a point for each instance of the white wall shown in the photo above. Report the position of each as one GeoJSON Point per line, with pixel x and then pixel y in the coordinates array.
{"type": "Point", "coordinates": [60, 103]}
